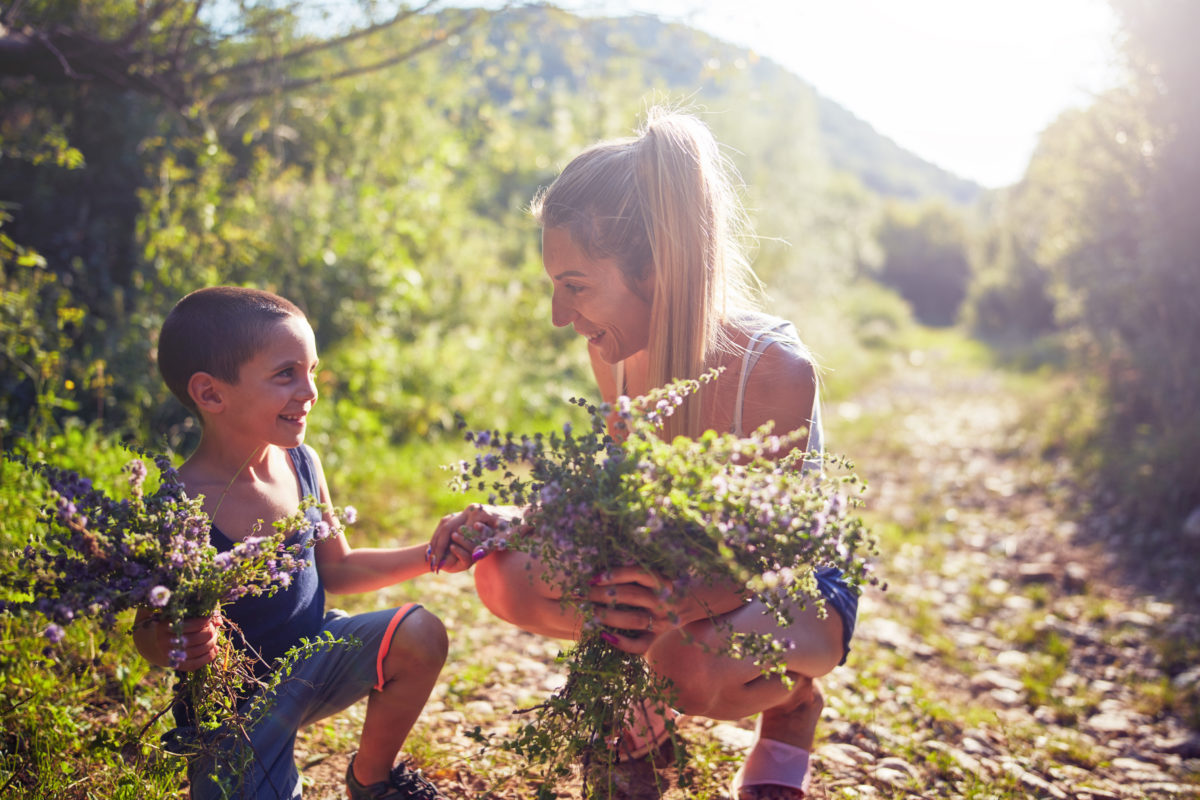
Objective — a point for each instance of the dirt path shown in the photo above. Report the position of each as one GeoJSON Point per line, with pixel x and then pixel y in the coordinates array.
{"type": "Point", "coordinates": [1007, 659]}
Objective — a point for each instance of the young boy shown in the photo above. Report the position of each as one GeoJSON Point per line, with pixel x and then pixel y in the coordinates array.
{"type": "Point", "coordinates": [244, 362]}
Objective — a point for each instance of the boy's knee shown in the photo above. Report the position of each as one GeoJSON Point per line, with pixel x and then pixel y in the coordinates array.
{"type": "Point", "coordinates": [419, 643]}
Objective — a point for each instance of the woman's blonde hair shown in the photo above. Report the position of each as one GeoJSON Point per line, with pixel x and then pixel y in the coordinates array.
{"type": "Point", "coordinates": [663, 205]}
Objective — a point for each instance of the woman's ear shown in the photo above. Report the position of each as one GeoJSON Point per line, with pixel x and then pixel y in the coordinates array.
{"type": "Point", "coordinates": [205, 391]}
{"type": "Point", "coordinates": [644, 285]}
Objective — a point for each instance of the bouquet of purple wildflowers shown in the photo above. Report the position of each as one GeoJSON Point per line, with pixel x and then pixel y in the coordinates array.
{"type": "Point", "coordinates": [712, 509]}
{"type": "Point", "coordinates": [96, 556]}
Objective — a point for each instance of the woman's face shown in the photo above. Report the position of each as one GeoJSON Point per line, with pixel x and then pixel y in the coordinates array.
{"type": "Point", "coordinates": [592, 295]}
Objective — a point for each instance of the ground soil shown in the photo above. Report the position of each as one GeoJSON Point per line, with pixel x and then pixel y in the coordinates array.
{"type": "Point", "coordinates": [1029, 644]}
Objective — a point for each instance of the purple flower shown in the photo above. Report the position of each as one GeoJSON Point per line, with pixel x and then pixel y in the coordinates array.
{"type": "Point", "coordinates": [158, 596]}
{"type": "Point", "coordinates": [249, 547]}
{"type": "Point", "coordinates": [349, 515]}
{"type": "Point", "coordinates": [54, 633]}
{"type": "Point", "coordinates": [322, 531]}
{"type": "Point", "coordinates": [137, 473]}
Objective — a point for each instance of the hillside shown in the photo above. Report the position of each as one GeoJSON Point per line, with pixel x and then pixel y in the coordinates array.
{"type": "Point", "coordinates": [574, 52]}
{"type": "Point", "coordinates": [882, 165]}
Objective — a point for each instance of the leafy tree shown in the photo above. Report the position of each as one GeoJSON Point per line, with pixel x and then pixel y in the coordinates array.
{"type": "Point", "coordinates": [1010, 293]}
{"type": "Point", "coordinates": [925, 259]}
{"type": "Point", "coordinates": [1106, 213]}
{"type": "Point", "coordinates": [1162, 309]}
{"type": "Point", "coordinates": [197, 57]}
{"type": "Point", "coordinates": [128, 132]}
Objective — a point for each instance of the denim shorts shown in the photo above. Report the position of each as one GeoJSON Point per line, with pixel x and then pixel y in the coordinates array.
{"type": "Point", "coordinates": [844, 600]}
{"type": "Point", "coordinates": [261, 764]}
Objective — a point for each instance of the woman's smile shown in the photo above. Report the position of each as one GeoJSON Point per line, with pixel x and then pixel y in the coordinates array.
{"type": "Point", "coordinates": [593, 295]}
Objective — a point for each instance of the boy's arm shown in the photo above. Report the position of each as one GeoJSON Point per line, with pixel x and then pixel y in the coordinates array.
{"type": "Point", "coordinates": [347, 570]}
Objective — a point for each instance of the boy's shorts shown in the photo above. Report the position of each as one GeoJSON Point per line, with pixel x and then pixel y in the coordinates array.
{"type": "Point", "coordinates": [842, 599]}
{"type": "Point", "coordinates": [321, 685]}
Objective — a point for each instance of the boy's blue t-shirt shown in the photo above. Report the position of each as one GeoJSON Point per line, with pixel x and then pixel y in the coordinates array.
{"type": "Point", "coordinates": [270, 626]}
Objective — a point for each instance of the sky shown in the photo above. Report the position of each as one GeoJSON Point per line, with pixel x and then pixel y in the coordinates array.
{"type": "Point", "coordinates": [966, 84]}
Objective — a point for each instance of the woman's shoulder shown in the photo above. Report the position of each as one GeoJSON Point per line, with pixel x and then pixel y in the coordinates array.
{"type": "Point", "coordinates": [758, 331]}
{"type": "Point", "coordinates": [782, 388]}
{"type": "Point", "coordinates": [777, 374]}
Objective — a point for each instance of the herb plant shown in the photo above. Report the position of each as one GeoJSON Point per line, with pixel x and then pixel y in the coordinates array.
{"type": "Point", "coordinates": [716, 508]}
{"type": "Point", "coordinates": [95, 556]}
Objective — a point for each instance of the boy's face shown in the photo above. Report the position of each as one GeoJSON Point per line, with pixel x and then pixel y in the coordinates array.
{"type": "Point", "coordinates": [276, 388]}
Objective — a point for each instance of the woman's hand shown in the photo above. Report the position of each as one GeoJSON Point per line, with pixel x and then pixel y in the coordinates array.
{"type": "Point", "coordinates": [457, 542]}
{"type": "Point", "coordinates": [642, 606]}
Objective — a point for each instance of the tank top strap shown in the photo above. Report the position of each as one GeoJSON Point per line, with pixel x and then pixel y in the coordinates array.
{"type": "Point", "coordinates": [758, 344]}
{"type": "Point", "coordinates": [306, 471]}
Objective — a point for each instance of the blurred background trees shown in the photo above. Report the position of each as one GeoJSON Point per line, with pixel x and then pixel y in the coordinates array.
{"type": "Point", "coordinates": [1102, 229]}
{"type": "Point", "coordinates": [375, 166]}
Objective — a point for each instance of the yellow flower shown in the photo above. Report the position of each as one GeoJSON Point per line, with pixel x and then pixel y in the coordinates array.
{"type": "Point", "coordinates": [70, 384]}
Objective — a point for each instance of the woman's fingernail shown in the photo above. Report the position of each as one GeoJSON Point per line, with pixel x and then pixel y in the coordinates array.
{"type": "Point", "coordinates": [608, 637]}
{"type": "Point", "coordinates": [478, 553]}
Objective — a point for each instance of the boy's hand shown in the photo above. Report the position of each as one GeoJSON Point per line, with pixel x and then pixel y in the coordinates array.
{"type": "Point", "coordinates": [450, 548]}
{"type": "Point", "coordinates": [194, 647]}
{"type": "Point", "coordinates": [457, 557]}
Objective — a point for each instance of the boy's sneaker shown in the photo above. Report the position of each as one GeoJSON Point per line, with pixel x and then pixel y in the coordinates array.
{"type": "Point", "coordinates": [403, 784]}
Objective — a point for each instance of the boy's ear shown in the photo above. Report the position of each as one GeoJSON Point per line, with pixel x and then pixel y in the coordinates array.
{"type": "Point", "coordinates": [205, 391]}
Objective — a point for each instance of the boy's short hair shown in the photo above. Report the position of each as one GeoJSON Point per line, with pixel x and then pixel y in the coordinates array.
{"type": "Point", "coordinates": [216, 330]}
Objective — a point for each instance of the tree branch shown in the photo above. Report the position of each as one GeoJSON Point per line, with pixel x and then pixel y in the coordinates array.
{"type": "Point", "coordinates": [301, 83]}
{"type": "Point", "coordinates": [323, 44]}
{"type": "Point", "coordinates": [145, 20]}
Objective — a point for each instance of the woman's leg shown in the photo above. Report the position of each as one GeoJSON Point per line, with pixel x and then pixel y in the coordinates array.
{"type": "Point", "coordinates": [721, 687]}
{"type": "Point", "coordinates": [512, 586]}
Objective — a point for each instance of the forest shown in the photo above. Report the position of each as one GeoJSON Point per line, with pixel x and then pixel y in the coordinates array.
{"type": "Point", "coordinates": [376, 166]}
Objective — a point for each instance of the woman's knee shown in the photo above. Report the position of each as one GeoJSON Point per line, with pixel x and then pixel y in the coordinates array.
{"type": "Point", "coordinates": [493, 584]}
{"type": "Point", "coordinates": [819, 652]}
{"type": "Point", "coordinates": [419, 643]}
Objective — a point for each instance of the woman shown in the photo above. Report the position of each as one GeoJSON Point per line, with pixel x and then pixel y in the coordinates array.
{"type": "Point", "coordinates": [640, 239]}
